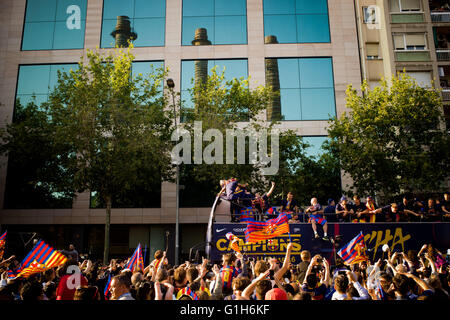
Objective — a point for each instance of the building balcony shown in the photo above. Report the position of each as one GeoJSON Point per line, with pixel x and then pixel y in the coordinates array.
{"type": "Point", "coordinates": [407, 17]}
{"type": "Point", "coordinates": [443, 55]}
{"type": "Point", "coordinates": [440, 17]}
{"type": "Point", "coordinates": [412, 56]}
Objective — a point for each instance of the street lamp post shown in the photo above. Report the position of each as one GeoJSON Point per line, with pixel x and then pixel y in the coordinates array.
{"type": "Point", "coordinates": [171, 86]}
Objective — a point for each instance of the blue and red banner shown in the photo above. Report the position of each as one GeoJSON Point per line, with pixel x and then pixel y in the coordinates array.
{"type": "Point", "coordinates": [2, 244]}
{"type": "Point", "coordinates": [42, 256]}
{"type": "Point", "coordinates": [136, 261]}
{"type": "Point", "coordinates": [258, 231]}
{"type": "Point", "coordinates": [354, 251]}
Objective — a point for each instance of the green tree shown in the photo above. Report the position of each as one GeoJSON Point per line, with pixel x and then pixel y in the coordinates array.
{"type": "Point", "coordinates": [115, 124]}
{"type": "Point", "coordinates": [222, 105]}
{"type": "Point", "coordinates": [390, 141]}
{"type": "Point", "coordinates": [36, 177]}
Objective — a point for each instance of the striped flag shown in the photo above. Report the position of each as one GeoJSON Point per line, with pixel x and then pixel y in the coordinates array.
{"type": "Point", "coordinates": [354, 251]}
{"type": "Point", "coordinates": [2, 244]}
{"type": "Point", "coordinates": [41, 256]}
{"type": "Point", "coordinates": [235, 241]}
{"type": "Point", "coordinates": [381, 295]}
{"type": "Point", "coordinates": [107, 293]}
{"type": "Point", "coordinates": [257, 231]}
{"type": "Point", "coordinates": [34, 267]}
{"type": "Point", "coordinates": [187, 291]}
{"type": "Point", "coordinates": [136, 261]}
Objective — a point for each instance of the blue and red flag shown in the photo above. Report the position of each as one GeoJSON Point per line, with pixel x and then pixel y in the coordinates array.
{"type": "Point", "coordinates": [107, 293]}
{"type": "Point", "coordinates": [354, 251]}
{"type": "Point", "coordinates": [187, 291]}
{"type": "Point", "coordinates": [136, 261]}
{"type": "Point", "coordinates": [257, 231]}
{"type": "Point", "coordinates": [381, 295]}
{"type": "Point", "coordinates": [2, 244]}
{"type": "Point", "coordinates": [42, 256]}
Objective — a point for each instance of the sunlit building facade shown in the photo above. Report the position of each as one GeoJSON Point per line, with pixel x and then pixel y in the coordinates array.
{"type": "Point", "coordinates": [307, 49]}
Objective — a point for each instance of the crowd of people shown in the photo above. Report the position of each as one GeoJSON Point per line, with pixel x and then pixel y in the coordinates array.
{"type": "Point", "coordinates": [409, 209]}
{"type": "Point", "coordinates": [411, 275]}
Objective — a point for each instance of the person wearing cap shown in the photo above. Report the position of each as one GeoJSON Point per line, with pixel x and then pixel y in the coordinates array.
{"type": "Point", "coordinates": [330, 211]}
{"type": "Point", "coordinates": [276, 294]}
{"type": "Point", "coordinates": [315, 211]}
{"type": "Point", "coordinates": [344, 210]}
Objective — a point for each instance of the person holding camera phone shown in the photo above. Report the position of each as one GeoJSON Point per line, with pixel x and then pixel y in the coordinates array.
{"type": "Point", "coordinates": [312, 284]}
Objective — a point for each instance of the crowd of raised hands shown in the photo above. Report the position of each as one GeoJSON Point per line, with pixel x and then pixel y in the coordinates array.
{"type": "Point", "coordinates": [407, 275]}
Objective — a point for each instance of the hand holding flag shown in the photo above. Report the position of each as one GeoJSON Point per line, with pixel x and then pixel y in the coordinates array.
{"type": "Point", "coordinates": [354, 251]}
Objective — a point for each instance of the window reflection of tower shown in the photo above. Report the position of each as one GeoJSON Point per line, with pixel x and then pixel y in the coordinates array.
{"type": "Point", "coordinates": [201, 66]}
{"type": "Point", "coordinates": [122, 33]}
{"type": "Point", "coordinates": [273, 80]}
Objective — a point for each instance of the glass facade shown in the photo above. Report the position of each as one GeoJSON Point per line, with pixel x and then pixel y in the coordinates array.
{"type": "Point", "coordinates": [225, 21]}
{"type": "Point", "coordinates": [233, 69]}
{"type": "Point", "coordinates": [315, 142]}
{"type": "Point", "coordinates": [297, 21]}
{"type": "Point", "coordinates": [306, 88]}
{"type": "Point", "coordinates": [147, 19]}
{"type": "Point", "coordinates": [54, 24]}
{"type": "Point", "coordinates": [28, 89]}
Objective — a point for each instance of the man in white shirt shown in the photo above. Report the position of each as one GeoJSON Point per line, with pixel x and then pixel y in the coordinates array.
{"type": "Point", "coordinates": [120, 288]}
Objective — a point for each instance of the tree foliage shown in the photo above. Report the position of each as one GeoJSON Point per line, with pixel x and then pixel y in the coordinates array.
{"type": "Point", "coordinates": [390, 141]}
{"type": "Point", "coordinates": [36, 176]}
{"type": "Point", "coordinates": [222, 105]}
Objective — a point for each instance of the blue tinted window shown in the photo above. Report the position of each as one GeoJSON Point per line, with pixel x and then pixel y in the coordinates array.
{"type": "Point", "coordinates": [290, 104]}
{"type": "Point", "coordinates": [279, 6]}
{"type": "Point", "coordinates": [39, 81]}
{"type": "Point", "coordinates": [313, 28]}
{"type": "Point", "coordinates": [315, 143]}
{"type": "Point", "coordinates": [40, 10]}
{"type": "Point", "coordinates": [308, 6]}
{"type": "Point", "coordinates": [316, 73]}
{"type": "Point", "coordinates": [114, 8]}
{"type": "Point", "coordinates": [38, 36]}
{"type": "Point", "coordinates": [225, 21]}
{"type": "Point", "coordinates": [233, 69]}
{"type": "Point", "coordinates": [306, 88]}
{"type": "Point", "coordinates": [289, 79]}
{"type": "Point", "coordinates": [297, 21]}
{"type": "Point", "coordinates": [147, 20]}
{"type": "Point", "coordinates": [51, 24]}
{"type": "Point", "coordinates": [190, 24]}
{"type": "Point", "coordinates": [317, 104]}
{"type": "Point", "coordinates": [228, 29]}
{"type": "Point", "coordinates": [281, 26]}
{"type": "Point", "coordinates": [64, 8]}
{"type": "Point", "coordinates": [230, 8]}
{"type": "Point", "coordinates": [198, 8]}
{"type": "Point", "coordinates": [149, 9]}
{"type": "Point", "coordinates": [65, 38]}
